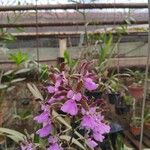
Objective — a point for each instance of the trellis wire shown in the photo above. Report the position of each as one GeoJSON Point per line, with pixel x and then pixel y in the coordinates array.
{"type": "Point", "coordinates": [145, 83]}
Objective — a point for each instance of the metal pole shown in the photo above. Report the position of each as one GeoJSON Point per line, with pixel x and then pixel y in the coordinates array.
{"type": "Point", "coordinates": [74, 6]}
{"type": "Point", "coordinates": [145, 83]}
{"type": "Point", "coordinates": [37, 37]}
{"type": "Point", "coordinates": [54, 24]}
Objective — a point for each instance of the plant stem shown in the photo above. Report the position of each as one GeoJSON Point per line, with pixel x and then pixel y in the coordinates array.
{"type": "Point", "coordinates": [72, 132]}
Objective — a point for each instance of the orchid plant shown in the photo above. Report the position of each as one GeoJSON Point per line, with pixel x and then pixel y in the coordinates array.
{"type": "Point", "coordinates": [65, 94]}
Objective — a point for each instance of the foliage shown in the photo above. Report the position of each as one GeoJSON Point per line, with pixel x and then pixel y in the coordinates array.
{"type": "Point", "coordinates": [119, 142]}
{"type": "Point", "coordinates": [44, 73]}
{"type": "Point", "coordinates": [104, 51]}
{"type": "Point", "coordinates": [5, 36]}
{"type": "Point", "coordinates": [71, 62]}
{"type": "Point", "coordinates": [10, 79]}
{"type": "Point", "coordinates": [136, 122]}
{"type": "Point", "coordinates": [137, 76]}
{"type": "Point", "coordinates": [147, 116]}
{"type": "Point", "coordinates": [23, 116]}
{"type": "Point", "coordinates": [19, 57]}
{"type": "Point", "coordinates": [128, 100]}
{"type": "Point", "coordinates": [113, 84]}
{"type": "Point", "coordinates": [104, 43]}
{"type": "Point", "coordinates": [14, 135]}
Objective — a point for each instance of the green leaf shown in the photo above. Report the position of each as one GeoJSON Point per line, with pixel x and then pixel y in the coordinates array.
{"type": "Point", "coordinates": [69, 60]}
{"type": "Point", "coordinates": [105, 49]}
{"type": "Point", "coordinates": [8, 72]}
{"type": "Point", "coordinates": [10, 88]}
{"type": "Point", "coordinates": [3, 86]}
{"type": "Point", "coordinates": [67, 138]}
{"type": "Point", "coordinates": [14, 135]}
{"type": "Point", "coordinates": [67, 57]}
{"type": "Point", "coordinates": [24, 70]}
{"type": "Point", "coordinates": [64, 122]}
{"type": "Point", "coordinates": [18, 57]}
{"type": "Point", "coordinates": [34, 90]}
{"type": "Point", "coordinates": [17, 80]}
{"type": "Point", "coordinates": [19, 29]}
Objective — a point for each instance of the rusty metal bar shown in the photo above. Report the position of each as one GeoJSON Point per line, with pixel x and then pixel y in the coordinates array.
{"type": "Point", "coordinates": [75, 6]}
{"type": "Point", "coordinates": [51, 24]}
{"type": "Point", "coordinates": [65, 34]}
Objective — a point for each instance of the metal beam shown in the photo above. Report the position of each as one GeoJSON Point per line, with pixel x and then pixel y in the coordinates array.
{"type": "Point", "coordinates": [75, 6]}
{"type": "Point", "coordinates": [67, 34]}
{"type": "Point", "coordinates": [51, 24]}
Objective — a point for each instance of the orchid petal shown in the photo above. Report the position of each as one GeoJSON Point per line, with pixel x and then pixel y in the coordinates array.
{"type": "Point", "coordinates": [89, 84]}
{"type": "Point", "coordinates": [70, 107]}
{"type": "Point", "coordinates": [45, 131]}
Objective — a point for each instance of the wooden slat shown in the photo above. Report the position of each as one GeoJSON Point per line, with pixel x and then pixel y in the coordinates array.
{"type": "Point", "coordinates": [133, 140]}
{"type": "Point", "coordinates": [147, 133]}
{"type": "Point", "coordinates": [146, 141]}
{"type": "Point", "coordinates": [128, 143]}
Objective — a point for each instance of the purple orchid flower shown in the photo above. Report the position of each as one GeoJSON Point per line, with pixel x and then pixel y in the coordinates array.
{"type": "Point", "coordinates": [91, 143]}
{"type": "Point", "coordinates": [74, 96]}
{"type": "Point", "coordinates": [53, 144]}
{"type": "Point", "coordinates": [70, 106]}
{"type": "Point", "coordinates": [93, 121]}
{"type": "Point", "coordinates": [45, 131]}
{"type": "Point", "coordinates": [43, 117]}
{"type": "Point", "coordinates": [53, 100]}
{"type": "Point", "coordinates": [89, 84]}
{"type": "Point", "coordinates": [52, 140]}
{"type": "Point", "coordinates": [61, 93]}
{"type": "Point", "coordinates": [27, 147]}
{"type": "Point", "coordinates": [53, 89]}
{"type": "Point", "coordinates": [98, 137]}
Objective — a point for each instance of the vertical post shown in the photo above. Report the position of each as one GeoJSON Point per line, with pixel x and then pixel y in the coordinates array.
{"type": "Point", "coordinates": [62, 48]}
{"type": "Point", "coordinates": [145, 83]}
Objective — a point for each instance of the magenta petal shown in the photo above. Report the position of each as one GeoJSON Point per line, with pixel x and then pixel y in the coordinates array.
{"type": "Point", "coordinates": [55, 147]}
{"type": "Point", "coordinates": [51, 89]}
{"type": "Point", "coordinates": [43, 117]}
{"type": "Point", "coordinates": [93, 110]}
{"type": "Point", "coordinates": [57, 84]}
{"type": "Point", "coordinates": [70, 94]}
{"type": "Point", "coordinates": [91, 143]}
{"type": "Point", "coordinates": [52, 139]}
{"type": "Point", "coordinates": [98, 137]}
{"type": "Point", "coordinates": [28, 146]}
{"type": "Point", "coordinates": [87, 122]}
{"type": "Point", "coordinates": [78, 96]}
{"type": "Point", "coordinates": [45, 131]}
{"type": "Point", "coordinates": [51, 100]}
{"type": "Point", "coordinates": [70, 107]}
{"type": "Point", "coordinates": [89, 84]}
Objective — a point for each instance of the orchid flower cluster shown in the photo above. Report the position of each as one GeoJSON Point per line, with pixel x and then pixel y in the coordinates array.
{"type": "Point", "coordinates": [66, 95]}
{"type": "Point", "coordinates": [27, 144]}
